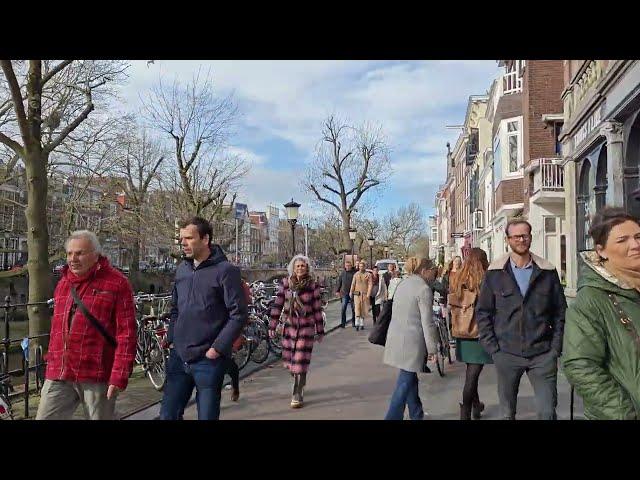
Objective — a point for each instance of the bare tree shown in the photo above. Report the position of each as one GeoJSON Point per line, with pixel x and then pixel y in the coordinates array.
{"type": "Point", "coordinates": [404, 226]}
{"type": "Point", "coordinates": [349, 162]}
{"type": "Point", "coordinates": [137, 167]}
{"type": "Point", "coordinates": [199, 125]}
{"type": "Point", "coordinates": [41, 103]}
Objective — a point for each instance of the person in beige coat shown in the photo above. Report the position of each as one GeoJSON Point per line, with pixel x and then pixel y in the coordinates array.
{"type": "Point", "coordinates": [360, 292]}
{"type": "Point", "coordinates": [411, 336]}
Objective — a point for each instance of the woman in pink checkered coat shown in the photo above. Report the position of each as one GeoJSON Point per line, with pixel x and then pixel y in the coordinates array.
{"type": "Point", "coordinates": [298, 301]}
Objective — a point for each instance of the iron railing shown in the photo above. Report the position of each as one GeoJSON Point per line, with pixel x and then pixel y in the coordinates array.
{"type": "Point", "coordinates": [6, 343]}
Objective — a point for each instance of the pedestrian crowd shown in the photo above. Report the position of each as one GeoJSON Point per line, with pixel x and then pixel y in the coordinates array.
{"type": "Point", "coordinates": [510, 312]}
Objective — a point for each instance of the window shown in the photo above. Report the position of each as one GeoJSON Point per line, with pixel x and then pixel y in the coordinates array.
{"type": "Point", "coordinates": [557, 129]}
{"type": "Point", "coordinates": [550, 225]}
{"type": "Point", "coordinates": [512, 142]}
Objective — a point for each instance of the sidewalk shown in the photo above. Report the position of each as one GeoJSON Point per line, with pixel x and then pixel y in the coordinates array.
{"type": "Point", "coordinates": [348, 381]}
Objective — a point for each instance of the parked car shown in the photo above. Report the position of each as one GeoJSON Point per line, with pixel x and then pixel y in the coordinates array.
{"type": "Point", "coordinates": [383, 265]}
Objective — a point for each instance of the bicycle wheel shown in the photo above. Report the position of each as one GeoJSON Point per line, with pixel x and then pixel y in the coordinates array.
{"type": "Point", "coordinates": [261, 344]}
{"type": "Point", "coordinates": [140, 343]}
{"type": "Point", "coordinates": [242, 355]}
{"type": "Point", "coordinates": [440, 360]}
{"type": "Point", "coordinates": [156, 364]}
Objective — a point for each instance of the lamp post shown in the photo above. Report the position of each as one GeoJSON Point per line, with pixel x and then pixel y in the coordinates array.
{"type": "Point", "coordinates": [371, 241]}
{"type": "Point", "coordinates": [292, 217]}
{"type": "Point", "coordinates": [352, 236]}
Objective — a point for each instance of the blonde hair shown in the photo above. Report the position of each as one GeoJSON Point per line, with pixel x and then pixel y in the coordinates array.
{"type": "Point", "coordinates": [415, 265]}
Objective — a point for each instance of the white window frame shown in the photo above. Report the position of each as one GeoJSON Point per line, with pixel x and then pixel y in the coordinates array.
{"type": "Point", "coordinates": [504, 145]}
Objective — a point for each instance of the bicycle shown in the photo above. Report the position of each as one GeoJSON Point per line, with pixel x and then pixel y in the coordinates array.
{"type": "Point", "coordinates": [443, 349]}
{"type": "Point", "coordinates": [257, 333]}
{"type": "Point", "coordinates": [6, 412]}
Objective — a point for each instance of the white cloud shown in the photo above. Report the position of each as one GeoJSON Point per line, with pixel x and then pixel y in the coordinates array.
{"type": "Point", "coordinates": [288, 100]}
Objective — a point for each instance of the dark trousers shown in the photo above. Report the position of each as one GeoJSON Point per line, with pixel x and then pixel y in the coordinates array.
{"type": "Point", "coordinates": [542, 371]}
{"type": "Point", "coordinates": [346, 300]}
{"type": "Point", "coordinates": [375, 309]}
{"type": "Point", "coordinates": [205, 375]}
{"type": "Point", "coordinates": [405, 394]}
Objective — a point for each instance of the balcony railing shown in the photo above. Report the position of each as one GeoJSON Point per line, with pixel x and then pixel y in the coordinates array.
{"type": "Point", "coordinates": [548, 176]}
{"type": "Point", "coordinates": [511, 83]}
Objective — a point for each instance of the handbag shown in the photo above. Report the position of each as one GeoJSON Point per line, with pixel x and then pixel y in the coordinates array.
{"type": "Point", "coordinates": [463, 324]}
{"type": "Point", "coordinates": [378, 335]}
{"type": "Point", "coordinates": [93, 320]}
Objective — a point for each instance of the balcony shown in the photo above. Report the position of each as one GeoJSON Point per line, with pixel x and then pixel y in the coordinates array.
{"type": "Point", "coordinates": [511, 83]}
{"type": "Point", "coordinates": [548, 180]}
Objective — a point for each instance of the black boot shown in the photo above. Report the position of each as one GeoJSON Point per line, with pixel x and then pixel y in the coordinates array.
{"type": "Point", "coordinates": [465, 412]}
{"type": "Point", "coordinates": [477, 409]}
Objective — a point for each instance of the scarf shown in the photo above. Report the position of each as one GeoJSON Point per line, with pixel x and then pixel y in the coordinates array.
{"type": "Point", "coordinates": [77, 279]}
{"type": "Point", "coordinates": [626, 275]}
{"type": "Point", "coordinates": [293, 302]}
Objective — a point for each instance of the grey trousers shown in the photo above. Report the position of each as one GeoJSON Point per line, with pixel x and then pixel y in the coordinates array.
{"type": "Point", "coordinates": [59, 400]}
{"type": "Point", "coordinates": [542, 371]}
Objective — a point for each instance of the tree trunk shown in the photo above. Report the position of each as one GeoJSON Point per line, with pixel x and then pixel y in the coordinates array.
{"type": "Point", "coordinates": [40, 281]}
{"type": "Point", "coordinates": [346, 240]}
{"type": "Point", "coordinates": [135, 250]}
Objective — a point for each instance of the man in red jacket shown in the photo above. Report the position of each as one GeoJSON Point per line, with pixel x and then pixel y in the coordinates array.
{"type": "Point", "coordinates": [93, 342]}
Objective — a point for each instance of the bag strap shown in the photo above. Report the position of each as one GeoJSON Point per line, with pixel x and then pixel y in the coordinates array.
{"type": "Point", "coordinates": [94, 321]}
{"type": "Point", "coordinates": [626, 322]}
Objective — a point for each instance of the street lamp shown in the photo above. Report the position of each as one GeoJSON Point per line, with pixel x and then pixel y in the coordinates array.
{"type": "Point", "coordinates": [371, 241]}
{"type": "Point", "coordinates": [292, 217]}
{"type": "Point", "coordinates": [352, 236]}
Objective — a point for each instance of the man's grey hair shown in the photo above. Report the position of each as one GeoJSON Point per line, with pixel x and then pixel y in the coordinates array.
{"type": "Point", "coordinates": [92, 237]}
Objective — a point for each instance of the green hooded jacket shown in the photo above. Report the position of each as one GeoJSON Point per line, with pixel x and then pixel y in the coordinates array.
{"type": "Point", "coordinates": [600, 358]}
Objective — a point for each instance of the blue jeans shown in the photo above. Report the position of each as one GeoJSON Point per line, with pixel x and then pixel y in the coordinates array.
{"type": "Point", "coordinates": [346, 300]}
{"type": "Point", "coordinates": [406, 393]}
{"type": "Point", "coordinates": [205, 375]}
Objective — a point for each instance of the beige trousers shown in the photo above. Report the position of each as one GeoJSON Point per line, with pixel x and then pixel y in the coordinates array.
{"type": "Point", "coordinates": [59, 400]}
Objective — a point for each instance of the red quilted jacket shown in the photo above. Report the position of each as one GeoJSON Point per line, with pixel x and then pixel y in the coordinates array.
{"type": "Point", "coordinates": [77, 350]}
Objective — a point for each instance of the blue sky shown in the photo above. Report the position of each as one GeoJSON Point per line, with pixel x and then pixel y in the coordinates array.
{"type": "Point", "coordinates": [282, 106]}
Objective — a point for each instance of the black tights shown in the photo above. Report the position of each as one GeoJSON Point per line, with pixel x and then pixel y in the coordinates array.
{"type": "Point", "coordinates": [470, 390]}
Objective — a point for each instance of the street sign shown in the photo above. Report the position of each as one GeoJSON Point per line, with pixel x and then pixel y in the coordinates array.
{"type": "Point", "coordinates": [457, 235]}
{"type": "Point", "coordinates": [241, 208]}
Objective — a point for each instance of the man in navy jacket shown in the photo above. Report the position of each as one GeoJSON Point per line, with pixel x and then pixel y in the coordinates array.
{"type": "Point", "coordinates": [209, 312]}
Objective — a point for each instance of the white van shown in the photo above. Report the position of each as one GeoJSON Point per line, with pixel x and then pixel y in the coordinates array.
{"type": "Point", "coordinates": [383, 265]}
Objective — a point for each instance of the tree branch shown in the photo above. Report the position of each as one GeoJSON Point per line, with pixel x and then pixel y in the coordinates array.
{"type": "Point", "coordinates": [16, 96]}
{"type": "Point", "coordinates": [72, 126]}
{"type": "Point", "coordinates": [322, 199]}
{"type": "Point", "coordinates": [12, 144]}
{"type": "Point", "coordinates": [55, 70]}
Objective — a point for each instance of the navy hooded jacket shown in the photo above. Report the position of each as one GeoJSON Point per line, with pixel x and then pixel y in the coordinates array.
{"type": "Point", "coordinates": [209, 307]}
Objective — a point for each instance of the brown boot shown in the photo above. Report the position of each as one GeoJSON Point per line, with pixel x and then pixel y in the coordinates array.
{"type": "Point", "coordinates": [465, 412]}
{"type": "Point", "coordinates": [235, 395]}
{"type": "Point", "coordinates": [295, 398]}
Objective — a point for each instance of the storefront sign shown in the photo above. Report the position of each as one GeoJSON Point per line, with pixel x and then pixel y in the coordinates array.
{"type": "Point", "coordinates": [587, 127]}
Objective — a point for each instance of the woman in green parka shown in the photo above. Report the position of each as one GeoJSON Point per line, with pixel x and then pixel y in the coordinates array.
{"type": "Point", "coordinates": [601, 352]}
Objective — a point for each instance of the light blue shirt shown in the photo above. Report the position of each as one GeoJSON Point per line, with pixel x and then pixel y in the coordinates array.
{"type": "Point", "coordinates": [523, 275]}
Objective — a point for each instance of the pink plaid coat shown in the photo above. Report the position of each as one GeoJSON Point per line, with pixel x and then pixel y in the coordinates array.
{"type": "Point", "coordinates": [299, 332]}
{"type": "Point", "coordinates": [77, 350]}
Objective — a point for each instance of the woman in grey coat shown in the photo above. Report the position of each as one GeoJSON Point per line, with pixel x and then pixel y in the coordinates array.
{"type": "Point", "coordinates": [411, 336]}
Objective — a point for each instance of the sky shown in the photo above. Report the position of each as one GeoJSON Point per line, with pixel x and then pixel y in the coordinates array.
{"type": "Point", "coordinates": [282, 106]}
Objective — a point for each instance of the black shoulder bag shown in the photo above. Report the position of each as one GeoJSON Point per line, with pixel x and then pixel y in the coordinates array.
{"type": "Point", "coordinates": [94, 321]}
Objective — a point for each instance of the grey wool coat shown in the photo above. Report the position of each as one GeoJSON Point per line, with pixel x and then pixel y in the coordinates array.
{"type": "Point", "coordinates": [412, 332]}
